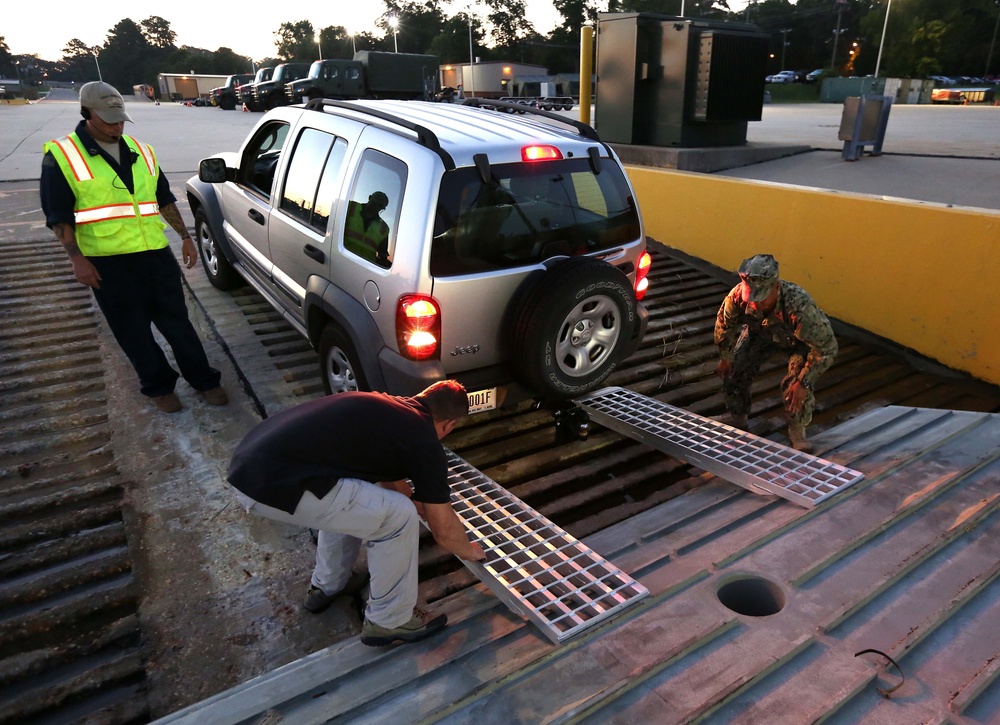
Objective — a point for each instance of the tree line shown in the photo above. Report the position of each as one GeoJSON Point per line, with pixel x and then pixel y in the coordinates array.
{"type": "Point", "coordinates": [922, 37]}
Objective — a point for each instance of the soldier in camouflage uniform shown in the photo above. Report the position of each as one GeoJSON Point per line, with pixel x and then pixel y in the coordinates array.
{"type": "Point", "coordinates": [763, 315]}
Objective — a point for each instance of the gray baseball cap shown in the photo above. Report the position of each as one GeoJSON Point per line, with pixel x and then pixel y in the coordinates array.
{"type": "Point", "coordinates": [759, 273]}
{"type": "Point", "coordinates": [104, 101]}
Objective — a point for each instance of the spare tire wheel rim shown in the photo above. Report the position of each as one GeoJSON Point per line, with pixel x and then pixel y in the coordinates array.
{"type": "Point", "coordinates": [587, 336]}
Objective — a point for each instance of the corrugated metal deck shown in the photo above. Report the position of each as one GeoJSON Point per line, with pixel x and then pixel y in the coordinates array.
{"type": "Point", "coordinates": [757, 610]}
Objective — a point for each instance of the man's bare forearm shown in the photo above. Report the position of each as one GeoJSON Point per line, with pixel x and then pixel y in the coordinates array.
{"type": "Point", "coordinates": [66, 235]}
{"type": "Point", "coordinates": [173, 216]}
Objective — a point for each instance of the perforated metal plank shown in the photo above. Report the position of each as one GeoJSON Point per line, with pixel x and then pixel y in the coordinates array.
{"type": "Point", "coordinates": [537, 569]}
{"type": "Point", "coordinates": [732, 454]}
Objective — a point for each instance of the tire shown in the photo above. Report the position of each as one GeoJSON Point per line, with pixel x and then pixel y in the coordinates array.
{"type": "Point", "coordinates": [338, 363]}
{"type": "Point", "coordinates": [227, 104]}
{"type": "Point", "coordinates": [218, 269]}
{"type": "Point", "coordinates": [570, 326]}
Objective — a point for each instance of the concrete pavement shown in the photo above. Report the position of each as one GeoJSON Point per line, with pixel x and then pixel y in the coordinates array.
{"type": "Point", "coordinates": [941, 154]}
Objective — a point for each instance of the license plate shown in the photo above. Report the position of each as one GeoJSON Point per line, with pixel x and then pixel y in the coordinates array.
{"type": "Point", "coordinates": [482, 400]}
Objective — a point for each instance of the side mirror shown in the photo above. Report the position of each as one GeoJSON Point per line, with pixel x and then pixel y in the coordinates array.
{"type": "Point", "coordinates": [212, 171]}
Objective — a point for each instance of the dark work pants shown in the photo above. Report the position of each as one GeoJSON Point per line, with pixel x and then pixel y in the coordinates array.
{"type": "Point", "coordinates": [144, 289]}
{"type": "Point", "coordinates": [751, 352]}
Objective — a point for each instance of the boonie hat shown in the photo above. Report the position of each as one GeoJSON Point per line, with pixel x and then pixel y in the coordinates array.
{"type": "Point", "coordinates": [759, 273]}
{"type": "Point", "coordinates": [104, 100]}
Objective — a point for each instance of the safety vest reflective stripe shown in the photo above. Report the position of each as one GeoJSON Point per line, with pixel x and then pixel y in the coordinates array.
{"type": "Point", "coordinates": [147, 156]}
{"type": "Point", "coordinates": [116, 211]}
{"type": "Point", "coordinates": [81, 170]}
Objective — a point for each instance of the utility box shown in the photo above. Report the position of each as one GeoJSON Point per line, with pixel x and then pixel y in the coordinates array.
{"type": "Point", "coordinates": [665, 80]}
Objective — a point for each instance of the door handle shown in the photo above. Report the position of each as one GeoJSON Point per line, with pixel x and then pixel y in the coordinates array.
{"type": "Point", "coordinates": [316, 254]}
{"type": "Point", "coordinates": [256, 216]}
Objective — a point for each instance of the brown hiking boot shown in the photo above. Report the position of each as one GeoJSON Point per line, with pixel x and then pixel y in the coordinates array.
{"type": "Point", "coordinates": [168, 403]}
{"type": "Point", "coordinates": [317, 600]}
{"type": "Point", "coordinates": [420, 626]}
{"type": "Point", "coordinates": [798, 441]}
{"type": "Point", "coordinates": [215, 396]}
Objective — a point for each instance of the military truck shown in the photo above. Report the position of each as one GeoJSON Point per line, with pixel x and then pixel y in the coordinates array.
{"type": "Point", "coordinates": [225, 95]}
{"type": "Point", "coordinates": [244, 93]}
{"type": "Point", "coordinates": [270, 93]}
{"type": "Point", "coordinates": [370, 74]}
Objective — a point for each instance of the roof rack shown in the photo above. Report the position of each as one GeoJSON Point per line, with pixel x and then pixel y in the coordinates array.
{"type": "Point", "coordinates": [425, 136]}
{"type": "Point", "coordinates": [585, 130]}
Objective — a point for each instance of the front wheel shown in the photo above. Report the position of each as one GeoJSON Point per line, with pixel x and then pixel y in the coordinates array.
{"type": "Point", "coordinates": [338, 363]}
{"type": "Point", "coordinates": [218, 269]}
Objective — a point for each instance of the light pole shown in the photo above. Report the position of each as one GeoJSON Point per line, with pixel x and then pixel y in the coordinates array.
{"type": "Point", "coordinates": [99, 76]}
{"type": "Point", "coordinates": [319, 46]}
{"type": "Point", "coordinates": [878, 59]}
{"type": "Point", "coordinates": [837, 32]}
{"type": "Point", "coordinates": [354, 44]}
{"type": "Point", "coordinates": [472, 60]}
{"type": "Point", "coordinates": [993, 42]}
{"type": "Point", "coordinates": [784, 44]}
{"type": "Point", "coordinates": [394, 24]}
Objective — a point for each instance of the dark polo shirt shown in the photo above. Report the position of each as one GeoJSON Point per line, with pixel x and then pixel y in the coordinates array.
{"type": "Point", "coordinates": [370, 436]}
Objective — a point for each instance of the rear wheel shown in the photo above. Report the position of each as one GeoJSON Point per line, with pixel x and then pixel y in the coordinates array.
{"type": "Point", "coordinates": [218, 269]}
{"type": "Point", "coordinates": [338, 362]}
{"type": "Point", "coordinates": [227, 104]}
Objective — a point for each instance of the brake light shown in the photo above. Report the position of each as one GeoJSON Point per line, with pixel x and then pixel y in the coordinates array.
{"type": "Point", "coordinates": [641, 272]}
{"type": "Point", "coordinates": [418, 327]}
{"type": "Point", "coordinates": [540, 153]}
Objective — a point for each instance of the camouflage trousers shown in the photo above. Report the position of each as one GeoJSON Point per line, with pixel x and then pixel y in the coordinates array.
{"type": "Point", "coordinates": [751, 352]}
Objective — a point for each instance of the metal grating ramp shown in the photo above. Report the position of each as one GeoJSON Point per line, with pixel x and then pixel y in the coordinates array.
{"type": "Point", "coordinates": [537, 569]}
{"type": "Point", "coordinates": [732, 454]}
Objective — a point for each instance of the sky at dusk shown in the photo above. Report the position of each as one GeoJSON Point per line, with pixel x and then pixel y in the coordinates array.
{"type": "Point", "coordinates": [246, 28]}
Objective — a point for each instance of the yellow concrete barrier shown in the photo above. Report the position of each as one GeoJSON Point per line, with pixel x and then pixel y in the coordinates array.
{"type": "Point", "coordinates": [921, 275]}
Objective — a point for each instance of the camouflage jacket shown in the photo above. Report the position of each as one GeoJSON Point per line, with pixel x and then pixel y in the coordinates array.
{"type": "Point", "coordinates": [795, 318]}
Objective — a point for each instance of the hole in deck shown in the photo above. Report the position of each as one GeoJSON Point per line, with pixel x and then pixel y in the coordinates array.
{"type": "Point", "coordinates": [752, 596]}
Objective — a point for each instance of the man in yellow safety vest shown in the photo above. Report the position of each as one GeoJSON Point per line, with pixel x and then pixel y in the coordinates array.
{"type": "Point", "coordinates": [365, 233]}
{"type": "Point", "coordinates": [103, 193]}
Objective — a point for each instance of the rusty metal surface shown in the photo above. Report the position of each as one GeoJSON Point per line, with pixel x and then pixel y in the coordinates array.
{"type": "Point", "coordinates": [583, 486]}
{"type": "Point", "coordinates": [69, 628]}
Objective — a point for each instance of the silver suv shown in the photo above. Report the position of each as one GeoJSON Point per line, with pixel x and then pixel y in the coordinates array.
{"type": "Point", "coordinates": [413, 241]}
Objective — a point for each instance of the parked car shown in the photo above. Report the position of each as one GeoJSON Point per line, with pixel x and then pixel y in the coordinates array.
{"type": "Point", "coordinates": [785, 76]}
{"type": "Point", "coordinates": [516, 267]}
{"type": "Point", "coordinates": [815, 75]}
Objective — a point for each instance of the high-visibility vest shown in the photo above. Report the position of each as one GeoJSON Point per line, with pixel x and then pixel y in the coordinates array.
{"type": "Point", "coordinates": [367, 243]}
{"type": "Point", "coordinates": [110, 220]}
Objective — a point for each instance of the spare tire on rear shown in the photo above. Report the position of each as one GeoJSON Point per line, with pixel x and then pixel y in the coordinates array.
{"type": "Point", "coordinates": [570, 326]}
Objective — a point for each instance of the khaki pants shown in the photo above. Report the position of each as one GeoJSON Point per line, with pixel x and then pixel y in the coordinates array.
{"type": "Point", "coordinates": [352, 513]}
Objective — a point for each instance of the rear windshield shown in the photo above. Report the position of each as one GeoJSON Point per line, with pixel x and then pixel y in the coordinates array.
{"type": "Point", "coordinates": [529, 213]}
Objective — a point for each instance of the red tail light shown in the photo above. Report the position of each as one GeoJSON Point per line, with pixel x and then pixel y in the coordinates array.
{"type": "Point", "coordinates": [540, 153]}
{"type": "Point", "coordinates": [641, 272]}
{"type": "Point", "coordinates": [418, 327]}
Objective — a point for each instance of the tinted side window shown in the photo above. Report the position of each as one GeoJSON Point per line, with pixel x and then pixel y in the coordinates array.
{"type": "Point", "coordinates": [309, 184]}
{"type": "Point", "coordinates": [260, 159]}
{"type": "Point", "coordinates": [373, 210]}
